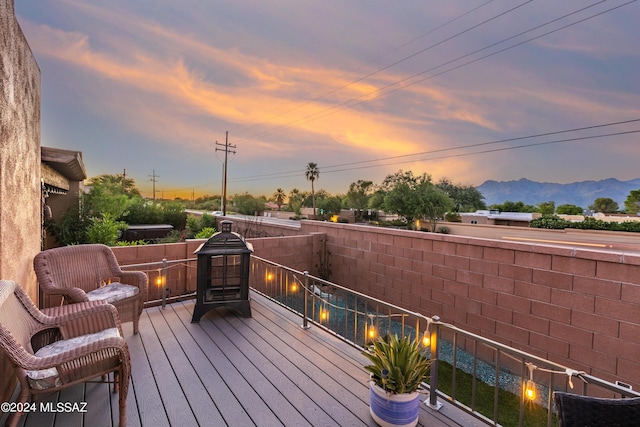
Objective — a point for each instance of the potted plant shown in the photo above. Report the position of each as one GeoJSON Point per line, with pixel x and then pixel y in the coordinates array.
{"type": "Point", "coordinates": [398, 368]}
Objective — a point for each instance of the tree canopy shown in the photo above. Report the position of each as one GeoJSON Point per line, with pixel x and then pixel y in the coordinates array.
{"type": "Point", "coordinates": [604, 205]}
{"type": "Point", "coordinates": [412, 197]}
{"type": "Point", "coordinates": [466, 198]}
{"type": "Point", "coordinates": [312, 173]}
{"type": "Point", "coordinates": [632, 203]}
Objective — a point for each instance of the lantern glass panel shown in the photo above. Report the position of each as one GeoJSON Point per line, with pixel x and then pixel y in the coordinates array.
{"type": "Point", "coordinates": [224, 278]}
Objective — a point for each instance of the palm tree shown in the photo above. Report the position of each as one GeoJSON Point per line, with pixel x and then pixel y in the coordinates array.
{"type": "Point", "coordinates": [279, 197]}
{"type": "Point", "coordinates": [312, 173]}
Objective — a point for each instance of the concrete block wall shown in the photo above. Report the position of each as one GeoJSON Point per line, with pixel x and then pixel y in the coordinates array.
{"type": "Point", "coordinates": [296, 252]}
{"type": "Point", "coordinates": [580, 308]}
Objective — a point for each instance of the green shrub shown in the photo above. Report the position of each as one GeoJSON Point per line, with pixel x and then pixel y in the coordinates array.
{"type": "Point", "coordinates": [174, 236]}
{"type": "Point", "coordinates": [105, 230]}
{"type": "Point", "coordinates": [552, 222]}
{"type": "Point", "coordinates": [205, 233]}
{"type": "Point", "coordinates": [207, 220]}
{"type": "Point", "coordinates": [132, 243]}
{"type": "Point", "coordinates": [452, 217]}
{"type": "Point", "coordinates": [590, 223]}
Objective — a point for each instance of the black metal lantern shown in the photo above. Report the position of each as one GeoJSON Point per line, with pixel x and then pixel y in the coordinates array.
{"type": "Point", "coordinates": [223, 273]}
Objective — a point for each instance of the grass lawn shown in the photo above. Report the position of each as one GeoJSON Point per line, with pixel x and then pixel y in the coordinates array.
{"type": "Point", "coordinates": [509, 403]}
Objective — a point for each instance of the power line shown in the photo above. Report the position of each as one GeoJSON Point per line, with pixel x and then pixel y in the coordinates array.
{"type": "Point", "coordinates": [409, 56]}
{"type": "Point", "coordinates": [154, 180]}
{"type": "Point", "coordinates": [228, 148]}
{"type": "Point", "coordinates": [394, 160]}
{"type": "Point", "coordinates": [330, 168]}
{"type": "Point", "coordinates": [354, 101]}
{"type": "Point", "coordinates": [297, 107]}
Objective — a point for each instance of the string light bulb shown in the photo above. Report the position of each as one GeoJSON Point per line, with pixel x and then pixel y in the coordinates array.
{"type": "Point", "coordinates": [530, 391]}
{"type": "Point", "coordinates": [370, 330]}
{"type": "Point", "coordinates": [426, 338]}
{"type": "Point", "coordinates": [324, 313]}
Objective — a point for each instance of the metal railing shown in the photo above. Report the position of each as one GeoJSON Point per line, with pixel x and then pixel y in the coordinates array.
{"type": "Point", "coordinates": [495, 383]}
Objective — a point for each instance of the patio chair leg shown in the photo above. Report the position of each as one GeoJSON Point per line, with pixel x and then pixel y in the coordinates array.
{"type": "Point", "coordinates": [122, 397]}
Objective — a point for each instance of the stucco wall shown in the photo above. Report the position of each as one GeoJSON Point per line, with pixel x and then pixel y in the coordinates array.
{"type": "Point", "coordinates": [20, 215]}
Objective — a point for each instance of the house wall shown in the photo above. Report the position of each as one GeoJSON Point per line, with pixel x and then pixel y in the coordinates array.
{"type": "Point", "coordinates": [20, 208]}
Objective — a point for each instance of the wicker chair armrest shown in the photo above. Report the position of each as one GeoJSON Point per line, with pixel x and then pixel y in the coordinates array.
{"type": "Point", "coordinates": [66, 309]}
{"type": "Point", "coordinates": [71, 295]}
{"type": "Point", "coordinates": [84, 318]}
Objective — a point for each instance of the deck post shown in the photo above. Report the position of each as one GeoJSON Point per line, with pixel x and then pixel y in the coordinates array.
{"type": "Point", "coordinates": [305, 300]}
{"type": "Point", "coordinates": [163, 282]}
{"type": "Point", "coordinates": [432, 402]}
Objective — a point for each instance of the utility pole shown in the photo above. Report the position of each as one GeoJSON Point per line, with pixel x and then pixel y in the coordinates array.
{"type": "Point", "coordinates": [228, 148]}
{"type": "Point", "coordinates": [153, 179]}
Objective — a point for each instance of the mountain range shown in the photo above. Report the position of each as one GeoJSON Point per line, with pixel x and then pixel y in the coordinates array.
{"type": "Point", "coordinates": [580, 194]}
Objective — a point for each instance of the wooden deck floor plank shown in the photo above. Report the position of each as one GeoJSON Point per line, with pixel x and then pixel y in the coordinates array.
{"type": "Point", "coordinates": [143, 390]}
{"type": "Point", "coordinates": [201, 404]}
{"type": "Point", "coordinates": [313, 375]}
{"type": "Point", "coordinates": [220, 396]}
{"type": "Point", "coordinates": [266, 378]}
{"type": "Point", "coordinates": [177, 408]}
{"type": "Point", "coordinates": [275, 312]}
{"type": "Point", "coordinates": [257, 406]}
{"type": "Point", "coordinates": [98, 401]}
{"type": "Point", "coordinates": [301, 388]}
{"type": "Point", "coordinates": [73, 395]}
{"type": "Point", "coordinates": [332, 349]}
{"type": "Point", "coordinates": [259, 371]}
{"type": "Point", "coordinates": [333, 356]}
{"type": "Point", "coordinates": [339, 359]}
{"type": "Point", "coordinates": [39, 418]}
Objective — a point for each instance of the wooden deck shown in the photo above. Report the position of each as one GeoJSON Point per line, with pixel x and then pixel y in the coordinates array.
{"type": "Point", "coordinates": [233, 371]}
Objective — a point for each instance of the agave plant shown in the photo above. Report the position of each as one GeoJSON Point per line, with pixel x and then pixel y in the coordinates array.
{"type": "Point", "coordinates": [399, 365]}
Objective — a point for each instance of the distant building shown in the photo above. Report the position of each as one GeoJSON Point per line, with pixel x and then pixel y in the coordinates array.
{"type": "Point", "coordinates": [63, 174]}
{"type": "Point", "coordinates": [495, 217]}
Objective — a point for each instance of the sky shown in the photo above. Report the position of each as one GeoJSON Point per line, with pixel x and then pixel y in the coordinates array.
{"type": "Point", "coordinates": [468, 90]}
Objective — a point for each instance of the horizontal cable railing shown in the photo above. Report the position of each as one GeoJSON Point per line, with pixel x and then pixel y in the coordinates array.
{"type": "Point", "coordinates": [497, 384]}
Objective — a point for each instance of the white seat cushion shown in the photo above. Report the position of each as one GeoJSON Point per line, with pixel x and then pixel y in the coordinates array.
{"type": "Point", "coordinates": [113, 292]}
{"type": "Point", "coordinates": [47, 378]}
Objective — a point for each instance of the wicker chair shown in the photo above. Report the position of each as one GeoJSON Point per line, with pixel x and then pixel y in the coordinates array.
{"type": "Point", "coordinates": [91, 272]}
{"type": "Point", "coordinates": [584, 411]}
{"type": "Point", "coordinates": [56, 348]}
